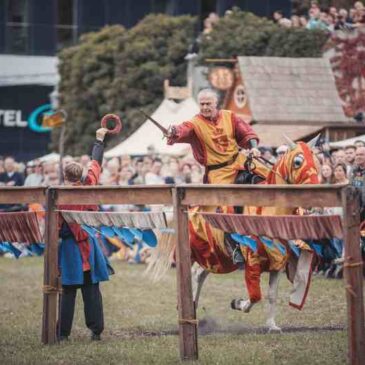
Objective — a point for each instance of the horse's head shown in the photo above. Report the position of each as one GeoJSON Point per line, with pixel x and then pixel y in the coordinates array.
{"type": "Point", "coordinates": [299, 165]}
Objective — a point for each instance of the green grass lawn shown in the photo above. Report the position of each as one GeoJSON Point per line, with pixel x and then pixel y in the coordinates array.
{"type": "Point", "coordinates": [141, 322]}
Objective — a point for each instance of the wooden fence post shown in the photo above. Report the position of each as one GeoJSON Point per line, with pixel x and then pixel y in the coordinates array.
{"type": "Point", "coordinates": [188, 336]}
{"type": "Point", "coordinates": [50, 280]}
{"type": "Point", "coordinates": [353, 275]}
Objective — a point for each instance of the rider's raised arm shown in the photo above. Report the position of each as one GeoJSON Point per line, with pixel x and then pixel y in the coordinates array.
{"type": "Point", "coordinates": [181, 133]}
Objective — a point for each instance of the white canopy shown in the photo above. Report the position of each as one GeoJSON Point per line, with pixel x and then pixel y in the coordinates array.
{"type": "Point", "coordinates": [347, 142]}
{"type": "Point", "coordinates": [51, 157]}
{"type": "Point", "coordinates": [168, 113]}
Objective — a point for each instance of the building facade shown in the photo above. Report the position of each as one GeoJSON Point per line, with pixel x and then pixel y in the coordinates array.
{"type": "Point", "coordinates": [42, 27]}
{"type": "Point", "coordinates": [33, 31]}
{"type": "Point", "coordinates": [26, 83]}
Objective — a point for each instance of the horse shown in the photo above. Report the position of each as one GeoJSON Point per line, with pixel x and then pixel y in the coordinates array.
{"type": "Point", "coordinates": [297, 166]}
{"type": "Point", "coordinates": [211, 248]}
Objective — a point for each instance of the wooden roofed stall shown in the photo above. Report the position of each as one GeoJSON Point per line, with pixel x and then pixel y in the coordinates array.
{"type": "Point", "coordinates": [295, 96]}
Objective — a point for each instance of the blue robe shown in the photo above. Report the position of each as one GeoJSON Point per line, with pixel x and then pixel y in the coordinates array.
{"type": "Point", "coordinates": [70, 260]}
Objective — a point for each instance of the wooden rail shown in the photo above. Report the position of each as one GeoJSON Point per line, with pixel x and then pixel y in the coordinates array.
{"type": "Point", "coordinates": [263, 195]}
{"type": "Point", "coordinates": [95, 195]}
{"type": "Point", "coordinates": [181, 197]}
{"type": "Point", "coordinates": [22, 195]}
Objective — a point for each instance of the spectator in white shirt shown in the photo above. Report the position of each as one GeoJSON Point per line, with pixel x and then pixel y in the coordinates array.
{"type": "Point", "coordinates": [154, 176]}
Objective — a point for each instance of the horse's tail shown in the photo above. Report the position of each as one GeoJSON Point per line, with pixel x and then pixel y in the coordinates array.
{"type": "Point", "coordinates": [162, 257]}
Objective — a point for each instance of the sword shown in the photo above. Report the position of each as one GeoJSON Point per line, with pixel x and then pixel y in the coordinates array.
{"type": "Point", "coordinates": [157, 124]}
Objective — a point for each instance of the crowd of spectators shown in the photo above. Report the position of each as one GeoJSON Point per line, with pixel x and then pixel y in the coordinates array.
{"type": "Point", "coordinates": [336, 168]}
{"type": "Point", "coordinates": [125, 170]}
{"type": "Point", "coordinates": [329, 19]}
{"type": "Point", "coordinates": [341, 166]}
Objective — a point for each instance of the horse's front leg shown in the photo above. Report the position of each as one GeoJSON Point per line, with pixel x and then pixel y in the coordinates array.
{"type": "Point", "coordinates": [252, 279]}
{"type": "Point", "coordinates": [198, 276]}
{"type": "Point", "coordinates": [272, 297]}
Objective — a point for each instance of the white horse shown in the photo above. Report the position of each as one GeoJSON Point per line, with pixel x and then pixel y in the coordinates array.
{"type": "Point", "coordinates": [299, 158]}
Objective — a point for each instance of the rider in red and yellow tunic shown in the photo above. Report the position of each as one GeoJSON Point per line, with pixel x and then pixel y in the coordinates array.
{"type": "Point", "coordinates": [216, 137]}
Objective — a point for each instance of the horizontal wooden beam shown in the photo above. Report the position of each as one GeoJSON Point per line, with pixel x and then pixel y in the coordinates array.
{"type": "Point", "coordinates": [262, 195]}
{"type": "Point", "coordinates": [22, 195]}
{"type": "Point", "coordinates": [220, 60]}
{"type": "Point", "coordinates": [95, 195]}
{"type": "Point", "coordinates": [259, 195]}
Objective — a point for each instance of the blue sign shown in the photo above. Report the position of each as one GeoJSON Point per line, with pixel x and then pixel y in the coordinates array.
{"type": "Point", "coordinates": [35, 115]}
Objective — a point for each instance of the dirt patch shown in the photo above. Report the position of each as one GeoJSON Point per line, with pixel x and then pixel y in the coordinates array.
{"type": "Point", "coordinates": [208, 326]}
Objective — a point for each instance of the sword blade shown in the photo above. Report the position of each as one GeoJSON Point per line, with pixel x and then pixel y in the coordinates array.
{"type": "Point", "coordinates": [157, 124]}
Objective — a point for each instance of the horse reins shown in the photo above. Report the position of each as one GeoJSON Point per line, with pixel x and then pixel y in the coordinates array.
{"type": "Point", "coordinates": [261, 160]}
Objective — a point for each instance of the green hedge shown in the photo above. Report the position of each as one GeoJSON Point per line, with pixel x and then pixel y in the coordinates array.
{"type": "Point", "coordinates": [244, 34]}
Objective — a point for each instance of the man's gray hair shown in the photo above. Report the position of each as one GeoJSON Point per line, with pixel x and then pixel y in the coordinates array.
{"type": "Point", "coordinates": [208, 93]}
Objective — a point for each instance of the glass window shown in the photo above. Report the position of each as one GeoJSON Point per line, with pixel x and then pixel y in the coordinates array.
{"type": "Point", "coordinates": [207, 7]}
{"type": "Point", "coordinates": [65, 12]}
{"type": "Point", "coordinates": [242, 4]}
{"type": "Point", "coordinates": [159, 6]}
{"type": "Point", "coordinates": [16, 11]}
{"type": "Point", "coordinates": [16, 39]}
{"type": "Point", "coordinates": [66, 29]}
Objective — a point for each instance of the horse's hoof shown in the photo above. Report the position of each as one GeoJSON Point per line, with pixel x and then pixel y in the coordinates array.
{"type": "Point", "coordinates": [338, 272]}
{"type": "Point", "coordinates": [274, 329]}
{"type": "Point", "coordinates": [235, 304]}
{"type": "Point", "coordinates": [246, 308]}
{"type": "Point", "coordinates": [241, 305]}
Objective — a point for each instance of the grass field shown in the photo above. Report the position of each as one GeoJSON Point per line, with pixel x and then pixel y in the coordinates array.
{"type": "Point", "coordinates": [141, 317]}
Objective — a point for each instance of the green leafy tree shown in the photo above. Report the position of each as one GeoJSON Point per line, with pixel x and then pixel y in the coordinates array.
{"type": "Point", "coordinates": [296, 42]}
{"type": "Point", "coordinates": [154, 51]}
{"type": "Point", "coordinates": [87, 71]}
{"type": "Point", "coordinates": [119, 71]}
{"type": "Point", "coordinates": [237, 34]}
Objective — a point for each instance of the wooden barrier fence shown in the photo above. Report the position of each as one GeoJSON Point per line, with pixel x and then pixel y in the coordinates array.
{"type": "Point", "coordinates": [181, 197]}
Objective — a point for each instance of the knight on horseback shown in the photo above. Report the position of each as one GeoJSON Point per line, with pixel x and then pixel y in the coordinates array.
{"type": "Point", "coordinates": [216, 137]}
